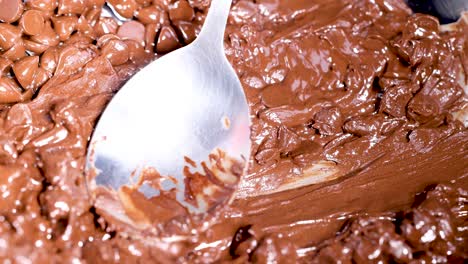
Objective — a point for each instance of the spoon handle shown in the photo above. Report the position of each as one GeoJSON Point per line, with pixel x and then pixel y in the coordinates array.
{"type": "Point", "coordinates": [212, 33]}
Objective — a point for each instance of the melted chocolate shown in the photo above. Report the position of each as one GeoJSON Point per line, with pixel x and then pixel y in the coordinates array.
{"type": "Point", "coordinates": [356, 109]}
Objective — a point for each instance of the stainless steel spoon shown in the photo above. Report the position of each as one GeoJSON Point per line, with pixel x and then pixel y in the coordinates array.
{"type": "Point", "coordinates": [187, 103]}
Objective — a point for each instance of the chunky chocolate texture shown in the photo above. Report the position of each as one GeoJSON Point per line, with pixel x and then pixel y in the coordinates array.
{"type": "Point", "coordinates": [401, 237]}
{"type": "Point", "coordinates": [359, 154]}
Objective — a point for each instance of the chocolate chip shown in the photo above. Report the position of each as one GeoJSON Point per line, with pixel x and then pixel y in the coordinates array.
{"type": "Point", "coordinates": [9, 36]}
{"type": "Point", "coordinates": [35, 47]}
{"type": "Point", "coordinates": [10, 10]}
{"type": "Point", "coordinates": [151, 30]}
{"type": "Point", "coordinates": [167, 40]}
{"type": "Point", "coordinates": [186, 31]}
{"type": "Point", "coordinates": [116, 52]}
{"type": "Point", "coordinates": [5, 65]}
{"type": "Point", "coordinates": [70, 7]}
{"type": "Point", "coordinates": [132, 30]}
{"type": "Point", "coordinates": [181, 11]}
{"type": "Point", "coordinates": [49, 60]}
{"type": "Point", "coordinates": [43, 5]}
{"type": "Point", "coordinates": [32, 22]}
{"type": "Point", "coordinates": [136, 51]}
{"type": "Point", "coordinates": [10, 92]}
{"type": "Point", "coordinates": [64, 26]}
{"type": "Point", "coordinates": [47, 37]}
{"type": "Point", "coordinates": [106, 25]}
{"type": "Point", "coordinates": [25, 70]}
{"type": "Point", "coordinates": [152, 14]}
{"type": "Point", "coordinates": [125, 8]}
{"type": "Point", "coordinates": [16, 52]}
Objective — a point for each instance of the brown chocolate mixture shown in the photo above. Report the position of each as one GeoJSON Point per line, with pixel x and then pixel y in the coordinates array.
{"type": "Point", "coordinates": [355, 96]}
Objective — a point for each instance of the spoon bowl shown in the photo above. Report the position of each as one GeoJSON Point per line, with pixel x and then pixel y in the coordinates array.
{"type": "Point", "coordinates": [188, 103]}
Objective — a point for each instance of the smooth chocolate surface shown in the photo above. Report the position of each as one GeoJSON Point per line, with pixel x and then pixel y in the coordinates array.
{"type": "Point", "coordinates": [359, 147]}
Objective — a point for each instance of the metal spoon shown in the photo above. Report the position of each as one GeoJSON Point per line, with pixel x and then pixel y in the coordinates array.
{"type": "Point", "coordinates": [447, 11]}
{"type": "Point", "coordinates": [185, 104]}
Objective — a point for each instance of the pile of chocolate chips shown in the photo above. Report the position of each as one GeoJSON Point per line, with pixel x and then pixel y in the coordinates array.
{"type": "Point", "coordinates": [401, 237]}
{"type": "Point", "coordinates": [33, 31]}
